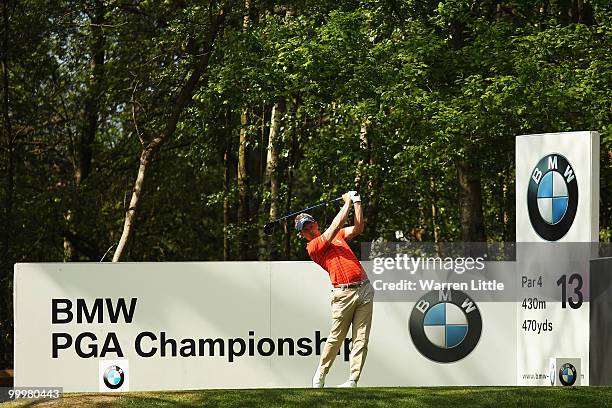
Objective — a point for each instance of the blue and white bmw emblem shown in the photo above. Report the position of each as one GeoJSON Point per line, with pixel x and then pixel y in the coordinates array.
{"type": "Point", "coordinates": [552, 197]}
{"type": "Point", "coordinates": [445, 326]}
{"type": "Point", "coordinates": [567, 374]}
{"type": "Point", "coordinates": [114, 377]}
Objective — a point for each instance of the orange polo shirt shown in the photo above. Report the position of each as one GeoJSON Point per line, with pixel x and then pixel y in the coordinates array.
{"type": "Point", "coordinates": [337, 258]}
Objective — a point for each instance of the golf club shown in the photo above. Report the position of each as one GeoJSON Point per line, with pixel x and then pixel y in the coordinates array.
{"type": "Point", "coordinates": [269, 227]}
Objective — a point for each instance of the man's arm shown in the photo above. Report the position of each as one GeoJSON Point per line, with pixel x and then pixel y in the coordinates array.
{"type": "Point", "coordinates": [339, 219]}
{"type": "Point", "coordinates": [357, 228]}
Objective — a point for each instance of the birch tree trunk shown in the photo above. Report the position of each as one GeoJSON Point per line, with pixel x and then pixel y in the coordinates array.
{"type": "Point", "coordinates": [243, 180]}
{"type": "Point", "coordinates": [272, 159]}
{"type": "Point", "coordinates": [271, 179]}
{"type": "Point", "coordinates": [243, 187]}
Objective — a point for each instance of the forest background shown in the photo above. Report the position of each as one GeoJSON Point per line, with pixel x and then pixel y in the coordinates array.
{"type": "Point", "coordinates": [174, 130]}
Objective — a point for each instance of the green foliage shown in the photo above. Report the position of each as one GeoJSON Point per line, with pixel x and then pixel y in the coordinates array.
{"type": "Point", "coordinates": [430, 83]}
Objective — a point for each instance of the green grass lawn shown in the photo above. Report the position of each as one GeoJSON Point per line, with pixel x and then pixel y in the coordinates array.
{"type": "Point", "coordinates": [360, 397]}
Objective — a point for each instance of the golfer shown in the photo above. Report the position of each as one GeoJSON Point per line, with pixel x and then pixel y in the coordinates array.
{"type": "Point", "coordinates": [352, 294]}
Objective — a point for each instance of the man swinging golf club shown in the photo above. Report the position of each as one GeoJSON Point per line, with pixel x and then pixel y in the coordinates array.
{"type": "Point", "coordinates": [352, 294]}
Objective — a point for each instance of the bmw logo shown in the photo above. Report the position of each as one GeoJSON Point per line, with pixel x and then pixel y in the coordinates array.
{"type": "Point", "coordinates": [552, 197]}
{"type": "Point", "coordinates": [567, 374]}
{"type": "Point", "coordinates": [445, 326]}
{"type": "Point", "coordinates": [114, 377]}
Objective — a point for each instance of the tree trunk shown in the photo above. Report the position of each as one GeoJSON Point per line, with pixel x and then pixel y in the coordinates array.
{"type": "Point", "coordinates": [271, 179]}
{"type": "Point", "coordinates": [92, 105]}
{"type": "Point", "coordinates": [365, 182]}
{"type": "Point", "coordinates": [470, 192]}
{"type": "Point", "coordinates": [226, 206]}
{"type": "Point", "coordinates": [293, 153]}
{"type": "Point", "coordinates": [226, 187]}
{"type": "Point", "coordinates": [472, 219]}
{"type": "Point", "coordinates": [10, 143]}
{"type": "Point", "coordinates": [434, 211]}
{"type": "Point", "coordinates": [91, 111]}
{"type": "Point", "coordinates": [6, 262]}
{"type": "Point", "coordinates": [272, 160]}
{"type": "Point", "coordinates": [263, 187]}
{"type": "Point", "coordinates": [288, 224]}
{"type": "Point", "coordinates": [509, 201]}
{"type": "Point", "coordinates": [583, 13]}
{"type": "Point", "coordinates": [246, 22]}
{"type": "Point", "coordinates": [243, 180]}
{"type": "Point", "coordinates": [243, 187]}
{"type": "Point", "coordinates": [364, 151]}
{"type": "Point", "coordinates": [181, 101]}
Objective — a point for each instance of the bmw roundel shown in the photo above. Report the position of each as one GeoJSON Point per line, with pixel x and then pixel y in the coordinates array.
{"type": "Point", "coordinates": [552, 197]}
{"type": "Point", "coordinates": [567, 374]}
{"type": "Point", "coordinates": [114, 377]}
{"type": "Point", "coordinates": [445, 326]}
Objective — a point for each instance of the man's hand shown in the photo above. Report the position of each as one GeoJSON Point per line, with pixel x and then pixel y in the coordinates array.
{"type": "Point", "coordinates": [355, 198]}
{"type": "Point", "coordinates": [357, 228]}
{"type": "Point", "coordinates": [347, 197]}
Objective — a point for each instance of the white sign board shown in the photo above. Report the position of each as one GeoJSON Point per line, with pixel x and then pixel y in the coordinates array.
{"type": "Point", "coordinates": [220, 325]}
{"type": "Point", "coordinates": [557, 208]}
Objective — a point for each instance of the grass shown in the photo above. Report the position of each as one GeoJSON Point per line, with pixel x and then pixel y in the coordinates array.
{"type": "Point", "coordinates": [475, 397]}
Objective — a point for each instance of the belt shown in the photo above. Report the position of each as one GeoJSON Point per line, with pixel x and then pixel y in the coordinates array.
{"type": "Point", "coordinates": [351, 285]}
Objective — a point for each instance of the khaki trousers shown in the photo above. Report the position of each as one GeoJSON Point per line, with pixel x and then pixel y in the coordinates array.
{"type": "Point", "coordinates": [350, 307]}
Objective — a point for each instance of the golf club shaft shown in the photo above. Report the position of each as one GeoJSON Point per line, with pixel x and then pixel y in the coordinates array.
{"type": "Point", "coordinates": [307, 208]}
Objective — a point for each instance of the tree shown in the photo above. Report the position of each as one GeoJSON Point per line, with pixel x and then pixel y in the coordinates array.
{"type": "Point", "coordinates": [182, 99]}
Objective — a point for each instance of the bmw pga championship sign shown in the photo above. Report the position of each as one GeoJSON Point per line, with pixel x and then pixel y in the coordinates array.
{"type": "Point", "coordinates": [482, 319]}
{"type": "Point", "coordinates": [237, 325]}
